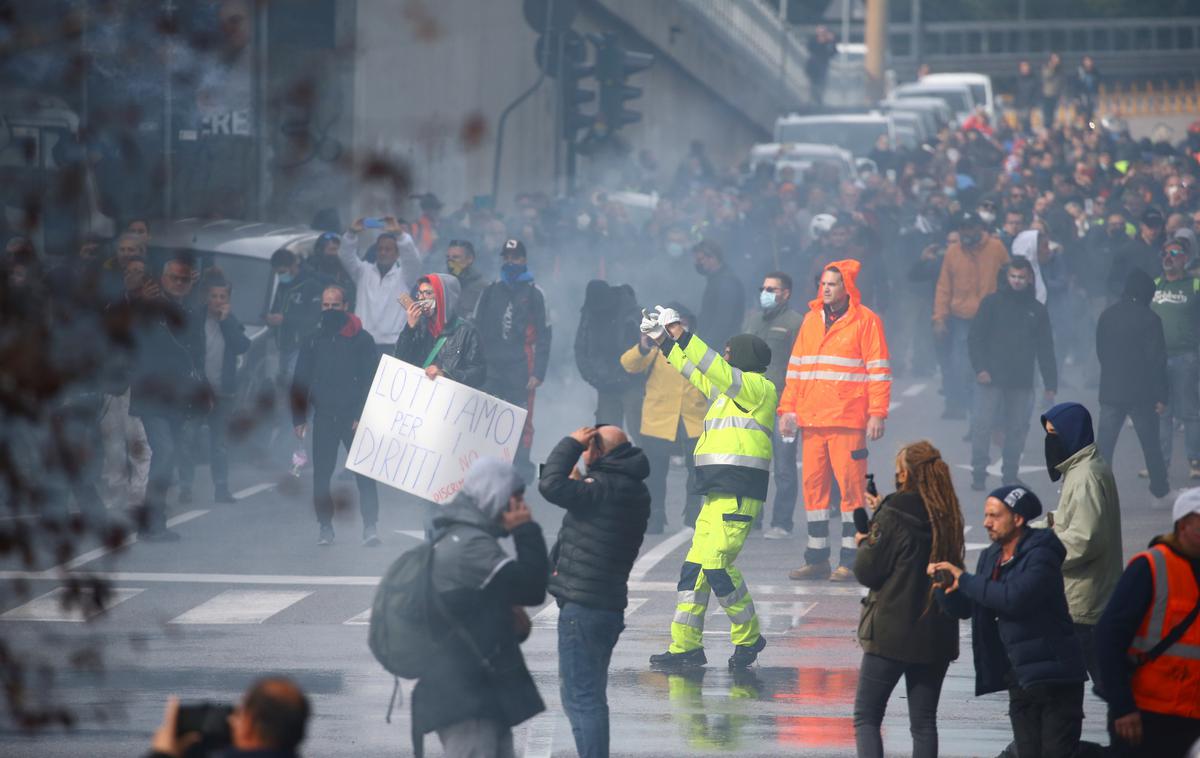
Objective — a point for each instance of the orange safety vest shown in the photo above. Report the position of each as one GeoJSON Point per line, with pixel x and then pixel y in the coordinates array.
{"type": "Point", "coordinates": [841, 376]}
{"type": "Point", "coordinates": [1170, 684]}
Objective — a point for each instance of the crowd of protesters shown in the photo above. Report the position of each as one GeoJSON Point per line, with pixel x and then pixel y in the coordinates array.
{"type": "Point", "coordinates": [986, 252]}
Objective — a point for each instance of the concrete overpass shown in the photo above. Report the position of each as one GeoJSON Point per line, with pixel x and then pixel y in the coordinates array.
{"type": "Point", "coordinates": [724, 70]}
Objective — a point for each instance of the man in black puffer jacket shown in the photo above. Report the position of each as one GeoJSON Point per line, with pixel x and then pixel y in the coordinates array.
{"type": "Point", "coordinates": [607, 513]}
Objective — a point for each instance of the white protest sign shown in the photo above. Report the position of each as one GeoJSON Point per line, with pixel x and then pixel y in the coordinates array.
{"type": "Point", "coordinates": [421, 436]}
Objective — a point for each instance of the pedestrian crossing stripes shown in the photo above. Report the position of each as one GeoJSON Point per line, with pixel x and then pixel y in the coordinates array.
{"type": "Point", "coordinates": [241, 607]}
{"type": "Point", "coordinates": [51, 607]}
{"type": "Point", "coordinates": [244, 606]}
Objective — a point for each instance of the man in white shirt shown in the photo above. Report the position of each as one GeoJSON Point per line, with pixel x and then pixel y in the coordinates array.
{"type": "Point", "coordinates": [379, 285]}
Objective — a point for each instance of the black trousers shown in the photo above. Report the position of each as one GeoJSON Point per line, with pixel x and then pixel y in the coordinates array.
{"type": "Point", "coordinates": [328, 433]}
{"type": "Point", "coordinates": [1162, 737]}
{"type": "Point", "coordinates": [658, 452]}
{"type": "Point", "coordinates": [1146, 424]}
{"type": "Point", "coordinates": [877, 677]}
{"type": "Point", "coordinates": [1047, 719]}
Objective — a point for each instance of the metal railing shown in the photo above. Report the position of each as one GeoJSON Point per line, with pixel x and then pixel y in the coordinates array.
{"type": "Point", "coordinates": [755, 29]}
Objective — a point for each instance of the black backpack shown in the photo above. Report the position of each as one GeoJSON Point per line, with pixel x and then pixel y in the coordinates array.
{"type": "Point", "coordinates": [401, 634]}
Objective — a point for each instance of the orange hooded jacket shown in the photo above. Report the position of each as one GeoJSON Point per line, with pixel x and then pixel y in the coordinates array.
{"type": "Point", "coordinates": [841, 376]}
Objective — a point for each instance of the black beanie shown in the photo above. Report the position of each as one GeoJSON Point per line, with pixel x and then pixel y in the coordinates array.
{"type": "Point", "coordinates": [1019, 500]}
{"type": "Point", "coordinates": [749, 353]}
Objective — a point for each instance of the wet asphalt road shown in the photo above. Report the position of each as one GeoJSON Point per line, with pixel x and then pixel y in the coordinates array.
{"type": "Point", "coordinates": [247, 591]}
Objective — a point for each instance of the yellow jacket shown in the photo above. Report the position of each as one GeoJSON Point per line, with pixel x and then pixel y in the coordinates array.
{"type": "Point", "coordinates": [668, 396]}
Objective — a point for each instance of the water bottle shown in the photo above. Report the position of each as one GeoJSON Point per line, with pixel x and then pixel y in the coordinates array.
{"type": "Point", "coordinates": [299, 461]}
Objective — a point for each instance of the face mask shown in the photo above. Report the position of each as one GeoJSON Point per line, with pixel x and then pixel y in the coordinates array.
{"type": "Point", "coordinates": [987, 217]}
{"type": "Point", "coordinates": [510, 271]}
{"type": "Point", "coordinates": [455, 268]}
{"type": "Point", "coordinates": [286, 278]}
{"type": "Point", "coordinates": [430, 306]}
{"type": "Point", "coordinates": [1055, 454]}
{"type": "Point", "coordinates": [674, 249]}
{"type": "Point", "coordinates": [766, 299]}
{"type": "Point", "coordinates": [333, 320]}
{"type": "Point", "coordinates": [971, 240]}
{"type": "Point", "coordinates": [582, 221]}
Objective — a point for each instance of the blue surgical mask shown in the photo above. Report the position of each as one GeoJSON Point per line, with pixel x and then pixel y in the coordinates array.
{"type": "Point", "coordinates": [766, 299]}
{"type": "Point", "coordinates": [511, 272]}
{"type": "Point", "coordinates": [675, 249]}
{"type": "Point", "coordinates": [286, 278]}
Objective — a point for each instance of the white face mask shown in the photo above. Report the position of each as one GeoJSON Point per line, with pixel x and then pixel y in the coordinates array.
{"type": "Point", "coordinates": [987, 217]}
{"type": "Point", "coordinates": [583, 221]}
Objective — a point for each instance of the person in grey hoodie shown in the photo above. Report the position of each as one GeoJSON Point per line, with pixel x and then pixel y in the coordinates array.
{"type": "Point", "coordinates": [1087, 520]}
{"type": "Point", "coordinates": [473, 705]}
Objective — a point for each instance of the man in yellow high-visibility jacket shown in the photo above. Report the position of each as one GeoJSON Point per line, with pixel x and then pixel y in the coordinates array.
{"type": "Point", "coordinates": [733, 464]}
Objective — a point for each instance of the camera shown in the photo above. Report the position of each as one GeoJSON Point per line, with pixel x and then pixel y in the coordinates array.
{"type": "Point", "coordinates": [210, 721]}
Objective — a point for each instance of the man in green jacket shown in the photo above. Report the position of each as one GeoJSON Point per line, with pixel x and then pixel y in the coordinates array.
{"type": "Point", "coordinates": [1087, 521]}
{"type": "Point", "coordinates": [775, 323]}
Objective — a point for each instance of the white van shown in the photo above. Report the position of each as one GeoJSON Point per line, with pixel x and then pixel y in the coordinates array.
{"type": "Point", "coordinates": [979, 84]}
{"type": "Point", "coordinates": [855, 132]}
{"type": "Point", "coordinates": [957, 96]}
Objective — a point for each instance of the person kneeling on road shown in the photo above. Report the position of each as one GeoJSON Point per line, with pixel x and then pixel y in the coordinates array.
{"type": "Point", "coordinates": [733, 464]}
{"type": "Point", "coordinates": [269, 723]}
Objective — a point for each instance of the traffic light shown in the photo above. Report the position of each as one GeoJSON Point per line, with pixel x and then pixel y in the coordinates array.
{"type": "Point", "coordinates": [563, 56]}
{"type": "Point", "coordinates": [614, 65]}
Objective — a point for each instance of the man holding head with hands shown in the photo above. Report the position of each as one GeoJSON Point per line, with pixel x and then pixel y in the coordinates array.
{"type": "Point", "coordinates": [607, 508]}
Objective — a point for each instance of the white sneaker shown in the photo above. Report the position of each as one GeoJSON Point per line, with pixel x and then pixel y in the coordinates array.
{"type": "Point", "coordinates": [777, 533]}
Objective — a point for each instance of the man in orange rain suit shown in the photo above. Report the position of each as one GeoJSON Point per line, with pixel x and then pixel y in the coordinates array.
{"type": "Point", "coordinates": [837, 394]}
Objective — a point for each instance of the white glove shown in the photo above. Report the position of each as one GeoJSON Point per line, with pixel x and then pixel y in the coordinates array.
{"type": "Point", "coordinates": [650, 326]}
{"type": "Point", "coordinates": [666, 316]}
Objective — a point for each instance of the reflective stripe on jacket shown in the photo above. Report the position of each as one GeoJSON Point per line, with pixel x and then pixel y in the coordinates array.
{"type": "Point", "coordinates": [841, 376]}
{"type": "Point", "coordinates": [733, 454]}
{"type": "Point", "coordinates": [1170, 684]}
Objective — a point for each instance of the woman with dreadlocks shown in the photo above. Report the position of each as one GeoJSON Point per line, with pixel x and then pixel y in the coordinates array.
{"type": "Point", "coordinates": [901, 630]}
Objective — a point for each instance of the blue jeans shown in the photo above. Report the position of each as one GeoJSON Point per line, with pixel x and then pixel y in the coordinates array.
{"type": "Point", "coordinates": [164, 436]}
{"type": "Point", "coordinates": [958, 380]}
{"type": "Point", "coordinates": [877, 677]}
{"type": "Point", "coordinates": [586, 638]}
{"type": "Point", "coordinates": [1183, 386]}
{"type": "Point", "coordinates": [787, 482]}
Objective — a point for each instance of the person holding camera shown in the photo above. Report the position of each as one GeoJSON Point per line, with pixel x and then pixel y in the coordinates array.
{"type": "Point", "coordinates": [270, 722]}
{"type": "Point", "coordinates": [902, 631]}
{"type": "Point", "coordinates": [607, 512]}
{"type": "Point", "coordinates": [477, 688]}
{"type": "Point", "coordinates": [1022, 637]}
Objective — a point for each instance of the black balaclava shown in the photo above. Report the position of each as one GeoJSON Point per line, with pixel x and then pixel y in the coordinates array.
{"type": "Point", "coordinates": [749, 353]}
{"type": "Point", "coordinates": [1073, 432]}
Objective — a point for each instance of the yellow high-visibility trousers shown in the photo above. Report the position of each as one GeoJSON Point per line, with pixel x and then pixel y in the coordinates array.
{"type": "Point", "coordinates": [721, 530]}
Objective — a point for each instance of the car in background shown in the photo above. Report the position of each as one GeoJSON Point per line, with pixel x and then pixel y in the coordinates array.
{"type": "Point", "coordinates": [855, 132]}
{"type": "Point", "coordinates": [957, 96]}
{"type": "Point", "coordinates": [801, 156]}
{"type": "Point", "coordinates": [910, 130]}
{"type": "Point", "coordinates": [979, 84]}
{"type": "Point", "coordinates": [933, 111]}
{"type": "Point", "coordinates": [242, 251]}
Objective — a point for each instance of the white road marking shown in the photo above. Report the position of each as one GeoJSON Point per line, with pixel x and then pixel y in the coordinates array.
{"type": "Point", "coordinates": [361, 619]}
{"type": "Point", "coordinates": [634, 604]}
{"type": "Point", "coordinates": [135, 577]}
{"type": "Point", "coordinates": [49, 607]}
{"type": "Point", "coordinates": [654, 555]}
{"type": "Point", "coordinates": [547, 616]}
{"type": "Point", "coordinates": [769, 609]}
{"type": "Point", "coordinates": [914, 390]}
{"type": "Point", "coordinates": [241, 607]}
{"type": "Point", "coordinates": [100, 552]}
{"type": "Point", "coordinates": [416, 534]}
{"type": "Point", "coordinates": [539, 735]}
{"type": "Point", "coordinates": [243, 494]}
{"type": "Point", "coordinates": [894, 405]}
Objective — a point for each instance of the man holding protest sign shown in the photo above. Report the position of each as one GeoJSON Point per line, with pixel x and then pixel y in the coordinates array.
{"type": "Point", "coordinates": [333, 374]}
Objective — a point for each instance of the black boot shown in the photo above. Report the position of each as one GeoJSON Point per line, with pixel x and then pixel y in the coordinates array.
{"type": "Point", "coordinates": [744, 655]}
{"type": "Point", "coordinates": [671, 660]}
